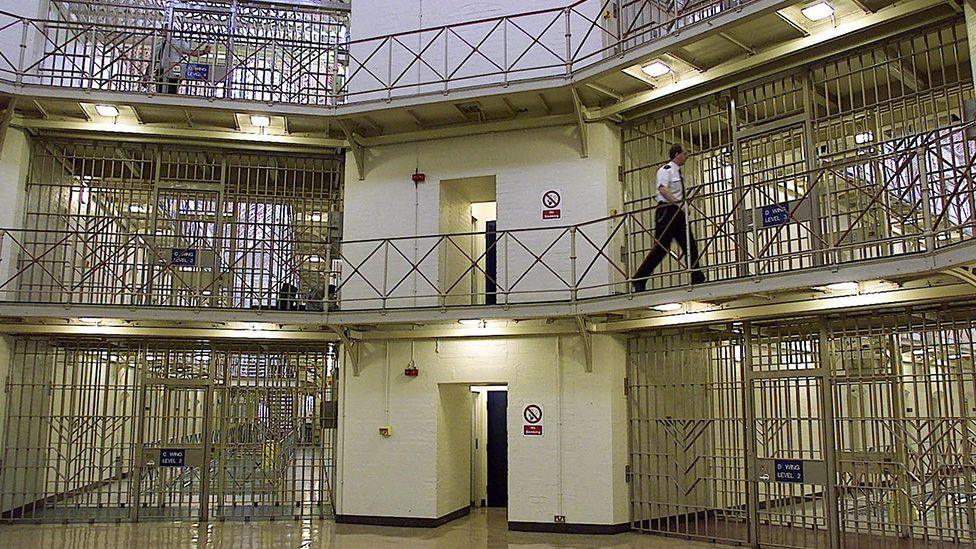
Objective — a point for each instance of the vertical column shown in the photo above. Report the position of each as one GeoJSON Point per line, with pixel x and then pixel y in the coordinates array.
{"type": "Point", "coordinates": [969, 7]}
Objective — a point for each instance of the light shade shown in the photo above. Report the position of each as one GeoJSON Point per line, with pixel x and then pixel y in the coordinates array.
{"type": "Point", "coordinates": [818, 11]}
{"type": "Point", "coordinates": [137, 208]}
{"type": "Point", "coordinates": [260, 120]}
{"type": "Point", "coordinates": [107, 110]}
{"type": "Point", "coordinates": [842, 286]}
{"type": "Point", "coordinates": [864, 137]}
{"type": "Point", "coordinates": [667, 307]}
{"type": "Point", "coordinates": [474, 322]}
{"type": "Point", "coordinates": [655, 69]}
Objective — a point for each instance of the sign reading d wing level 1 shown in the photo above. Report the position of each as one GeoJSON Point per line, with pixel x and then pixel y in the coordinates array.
{"type": "Point", "coordinates": [788, 470]}
{"type": "Point", "coordinates": [172, 457]}
{"type": "Point", "coordinates": [184, 257]}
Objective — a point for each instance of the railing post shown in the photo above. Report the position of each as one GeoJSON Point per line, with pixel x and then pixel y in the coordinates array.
{"type": "Point", "coordinates": [923, 184]}
{"type": "Point", "coordinates": [569, 43]}
{"type": "Point", "coordinates": [23, 53]}
{"type": "Point", "coordinates": [572, 263]}
{"type": "Point", "coordinates": [508, 287]}
{"type": "Point", "coordinates": [386, 270]}
{"type": "Point", "coordinates": [447, 66]}
{"type": "Point", "coordinates": [505, 52]}
{"type": "Point", "coordinates": [389, 72]}
{"type": "Point", "coordinates": [618, 16]}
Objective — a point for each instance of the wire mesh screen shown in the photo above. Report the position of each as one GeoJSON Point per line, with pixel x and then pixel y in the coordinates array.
{"type": "Point", "coordinates": [121, 223]}
{"type": "Point", "coordinates": [123, 430]}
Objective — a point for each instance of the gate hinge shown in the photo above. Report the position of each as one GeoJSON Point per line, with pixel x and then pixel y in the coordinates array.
{"type": "Point", "coordinates": [628, 473]}
{"type": "Point", "coordinates": [626, 387]}
{"type": "Point", "coordinates": [620, 172]}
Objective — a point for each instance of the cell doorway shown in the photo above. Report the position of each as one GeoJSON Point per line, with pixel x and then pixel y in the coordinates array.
{"type": "Point", "coordinates": [489, 446]}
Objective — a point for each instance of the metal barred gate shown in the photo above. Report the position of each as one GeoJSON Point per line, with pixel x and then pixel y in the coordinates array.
{"type": "Point", "coordinates": [119, 430]}
{"type": "Point", "coordinates": [847, 431]}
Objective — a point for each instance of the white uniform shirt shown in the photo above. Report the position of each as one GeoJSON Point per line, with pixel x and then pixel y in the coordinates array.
{"type": "Point", "coordinates": [669, 175]}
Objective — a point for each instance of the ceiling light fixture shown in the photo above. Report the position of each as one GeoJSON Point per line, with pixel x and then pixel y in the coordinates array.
{"type": "Point", "coordinates": [89, 319]}
{"type": "Point", "coordinates": [818, 11]}
{"type": "Point", "coordinates": [667, 307]}
{"type": "Point", "coordinates": [260, 120]}
{"type": "Point", "coordinates": [655, 69]}
{"type": "Point", "coordinates": [842, 286]}
{"type": "Point", "coordinates": [864, 137]}
{"type": "Point", "coordinates": [110, 111]}
{"type": "Point", "coordinates": [136, 209]}
{"type": "Point", "coordinates": [472, 322]}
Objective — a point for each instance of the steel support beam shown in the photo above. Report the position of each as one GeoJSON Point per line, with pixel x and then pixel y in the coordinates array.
{"type": "Point", "coordinates": [794, 308]}
{"type": "Point", "coordinates": [183, 134]}
{"type": "Point", "coordinates": [748, 49]}
{"type": "Point", "coordinates": [461, 130]}
{"type": "Point", "coordinates": [355, 144]}
{"type": "Point", "coordinates": [158, 331]}
{"type": "Point", "coordinates": [580, 123]}
{"type": "Point", "coordinates": [587, 338]}
{"type": "Point", "coordinates": [969, 7]}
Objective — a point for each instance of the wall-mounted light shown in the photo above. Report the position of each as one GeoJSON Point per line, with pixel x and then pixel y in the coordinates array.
{"type": "Point", "coordinates": [667, 307]}
{"type": "Point", "coordinates": [260, 120]}
{"type": "Point", "coordinates": [818, 11]}
{"type": "Point", "coordinates": [110, 111]}
{"type": "Point", "coordinates": [655, 69]}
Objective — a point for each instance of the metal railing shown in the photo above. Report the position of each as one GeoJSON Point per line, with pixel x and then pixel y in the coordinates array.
{"type": "Point", "coordinates": [910, 195]}
{"type": "Point", "coordinates": [316, 63]}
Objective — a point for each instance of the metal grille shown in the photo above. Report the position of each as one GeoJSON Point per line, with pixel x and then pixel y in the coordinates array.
{"type": "Point", "coordinates": [758, 195]}
{"type": "Point", "coordinates": [852, 431]}
{"type": "Point", "coordinates": [119, 430]}
{"type": "Point", "coordinates": [121, 223]}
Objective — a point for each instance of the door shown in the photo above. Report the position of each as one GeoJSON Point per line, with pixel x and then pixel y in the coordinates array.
{"type": "Point", "coordinates": [497, 449]}
{"type": "Point", "coordinates": [183, 252]}
{"type": "Point", "coordinates": [491, 263]}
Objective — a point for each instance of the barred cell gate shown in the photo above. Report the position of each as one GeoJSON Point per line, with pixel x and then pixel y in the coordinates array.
{"type": "Point", "coordinates": [122, 430]}
{"type": "Point", "coordinates": [847, 431]}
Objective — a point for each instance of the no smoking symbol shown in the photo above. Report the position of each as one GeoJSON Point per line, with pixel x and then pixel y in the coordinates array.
{"type": "Point", "coordinates": [532, 414]}
{"type": "Point", "coordinates": [550, 199]}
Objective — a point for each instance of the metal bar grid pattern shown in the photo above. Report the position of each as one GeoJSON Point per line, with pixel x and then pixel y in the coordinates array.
{"type": "Point", "coordinates": [877, 407]}
{"type": "Point", "coordinates": [303, 55]}
{"type": "Point", "coordinates": [86, 423]}
{"type": "Point", "coordinates": [764, 191]}
{"type": "Point", "coordinates": [248, 230]}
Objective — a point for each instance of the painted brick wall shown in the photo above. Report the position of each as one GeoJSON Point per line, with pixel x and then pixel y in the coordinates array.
{"type": "Point", "coordinates": [576, 469]}
{"type": "Point", "coordinates": [525, 165]}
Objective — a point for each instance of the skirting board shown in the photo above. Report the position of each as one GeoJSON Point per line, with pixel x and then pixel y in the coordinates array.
{"type": "Point", "coordinates": [404, 522]}
{"type": "Point", "coordinates": [569, 528]}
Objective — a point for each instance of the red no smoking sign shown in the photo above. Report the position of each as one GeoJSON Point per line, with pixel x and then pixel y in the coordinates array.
{"type": "Point", "coordinates": [551, 201]}
{"type": "Point", "coordinates": [532, 414]}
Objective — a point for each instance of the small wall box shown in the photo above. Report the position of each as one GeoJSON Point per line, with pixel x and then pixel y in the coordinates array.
{"type": "Point", "coordinates": [386, 431]}
{"type": "Point", "coordinates": [411, 371]}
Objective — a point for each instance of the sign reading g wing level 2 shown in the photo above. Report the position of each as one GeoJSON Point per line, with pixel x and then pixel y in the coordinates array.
{"type": "Point", "coordinates": [551, 201]}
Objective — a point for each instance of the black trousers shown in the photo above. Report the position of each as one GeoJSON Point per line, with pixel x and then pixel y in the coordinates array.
{"type": "Point", "coordinates": [168, 85]}
{"type": "Point", "coordinates": [670, 224]}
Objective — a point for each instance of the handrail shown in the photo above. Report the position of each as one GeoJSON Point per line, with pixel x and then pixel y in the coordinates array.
{"type": "Point", "coordinates": [303, 70]}
{"type": "Point", "coordinates": [923, 203]}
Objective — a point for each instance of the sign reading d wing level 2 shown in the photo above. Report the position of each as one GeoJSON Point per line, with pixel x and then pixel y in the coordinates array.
{"type": "Point", "coordinates": [788, 470]}
{"type": "Point", "coordinates": [775, 214]}
{"type": "Point", "coordinates": [184, 257]}
{"type": "Point", "coordinates": [172, 457]}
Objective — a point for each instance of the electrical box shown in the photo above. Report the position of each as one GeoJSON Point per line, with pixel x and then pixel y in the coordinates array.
{"type": "Point", "coordinates": [386, 431]}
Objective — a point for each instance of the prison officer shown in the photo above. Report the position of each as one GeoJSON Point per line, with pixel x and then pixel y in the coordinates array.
{"type": "Point", "coordinates": [670, 221]}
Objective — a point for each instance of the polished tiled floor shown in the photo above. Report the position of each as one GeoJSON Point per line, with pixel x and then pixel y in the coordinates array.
{"type": "Point", "coordinates": [483, 528]}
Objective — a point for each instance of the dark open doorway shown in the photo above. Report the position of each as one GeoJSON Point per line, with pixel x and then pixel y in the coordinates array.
{"type": "Point", "coordinates": [491, 264]}
{"type": "Point", "coordinates": [497, 449]}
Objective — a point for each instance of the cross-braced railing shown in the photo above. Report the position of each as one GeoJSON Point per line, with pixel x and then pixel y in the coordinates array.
{"type": "Point", "coordinates": [909, 195]}
{"type": "Point", "coordinates": [308, 57]}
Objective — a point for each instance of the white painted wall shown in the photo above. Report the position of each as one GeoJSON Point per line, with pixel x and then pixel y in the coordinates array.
{"type": "Point", "coordinates": [503, 46]}
{"type": "Point", "coordinates": [576, 469]}
{"type": "Point", "coordinates": [14, 160]}
{"type": "Point", "coordinates": [526, 163]}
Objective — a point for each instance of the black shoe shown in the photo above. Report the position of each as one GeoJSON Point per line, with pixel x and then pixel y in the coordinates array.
{"type": "Point", "coordinates": [697, 277]}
